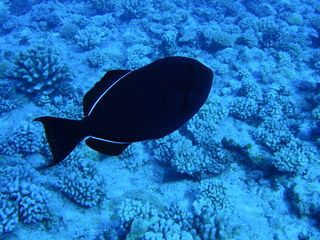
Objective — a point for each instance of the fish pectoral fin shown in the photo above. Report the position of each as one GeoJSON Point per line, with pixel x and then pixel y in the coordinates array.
{"type": "Point", "coordinates": [106, 147]}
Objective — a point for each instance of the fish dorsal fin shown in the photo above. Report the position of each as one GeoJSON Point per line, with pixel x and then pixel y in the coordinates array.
{"type": "Point", "coordinates": [93, 95]}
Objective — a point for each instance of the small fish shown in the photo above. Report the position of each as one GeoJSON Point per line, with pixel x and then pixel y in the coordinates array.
{"type": "Point", "coordinates": [129, 106]}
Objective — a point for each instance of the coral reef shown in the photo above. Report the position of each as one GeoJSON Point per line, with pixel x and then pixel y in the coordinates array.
{"type": "Point", "coordinates": [69, 30]}
{"type": "Point", "coordinates": [95, 59]}
{"type": "Point", "coordinates": [273, 134]}
{"type": "Point", "coordinates": [246, 166]}
{"type": "Point", "coordinates": [24, 140]}
{"type": "Point", "coordinates": [244, 108]}
{"type": "Point", "coordinates": [21, 199]}
{"type": "Point", "coordinates": [295, 157]}
{"type": "Point", "coordinates": [39, 70]}
{"type": "Point", "coordinates": [211, 198]}
{"type": "Point", "coordinates": [89, 38]}
{"type": "Point", "coordinates": [45, 17]}
{"type": "Point", "coordinates": [82, 184]}
{"type": "Point", "coordinates": [216, 39]}
{"type": "Point", "coordinates": [130, 209]}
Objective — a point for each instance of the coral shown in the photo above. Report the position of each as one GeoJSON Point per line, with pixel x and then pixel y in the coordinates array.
{"type": "Point", "coordinates": [20, 198]}
{"type": "Point", "coordinates": [69, 30]}
{"type": "Point", "coordinates": [82, 184]}
{"type": "Point", "coordinates": [90, 37]}
{"type": "Point", "coordinates": [280, 103]}
{"type": "Point", "coordinates": [168, 41]}
{"type": "Point", "coordinates": [166, 229]}
{"type": "Point", "coordinates": [102, 6]}
{"type": "Point", "coordinates": [20, 7]}
{"type": "Point", "coordinates": [186, 157]}
{"type": "Point", "coordinates": [196, 162]}
{"type": "Point", "coordinates": [39, 70]}
{"type": "Point", "coordinates": [215, 215]}
{"type": "Point", "coordinates": [7, 22]}
{"type": "Point", "coordinates": [6, 105]}
{"type": "Point", "coordinates": [189, 158]}
{"type": "Point", "coordinates": [162, 148]}
{"type": "Point", "coordinates": [315, 62]}
{"type": "Point", "coordinates": [134, 9]}
{"type": "Point", "coordinates": [259, 8]}
{"type": "Point", "coordinates": [219, 159]}
{"type": "Point", "coordinates": [9, 25]}
{"type": "Point", "coordinates": [7, 100]}
{"type": "Point", "coordinates": [130, 209]}
{"type": "Point", "coordinates": [25, 139]}
{"type": "Point", "coordinates": [244, 108]}
{"type": "Point", "coordinates": [45, 17]}
{"type": "Point", "coordinates": [316, 113]}
{"type": "Point", "coordinates": [212, 197]}
{"type": "Point", "coordinates": [249, 38]}
{"type": "Point", "coordinates": [138, 56]}
{"type": "Point", "coordinates": [271, 110]}
{"type": "Point", "coordinates": [250, 88]}
{"type": "Point", "coordinates": [32, 203]}
{"type": "Point", "coordinates": [273, 134]}
{"type": "Point", "coordinates": [95, 59]}
{"type": "Point", "coordinates": [315, 23]}
{"type": "Point", "coordinates": [81, 21]}
{"type": "Point", "coordinates": [215, 39]}
{"type": "Point", "coordinates": [72, 106]}
{"type": "Point", "coordinates": [295, 157]}
{"type": "Point", "coordinates": [8, 214]}
{"type": "Point", "coordinates": [204, 124]}
{"type": "Point", "coordinates": [134, 157]}
{"type": "Point", "coordinates": [271, 35]}
{"type": "Point", "coordinates": [205, 154]}
{"type": "Point", "coordinates": [248, 21]}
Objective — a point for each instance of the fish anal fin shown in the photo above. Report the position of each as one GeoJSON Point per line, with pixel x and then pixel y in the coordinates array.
{"type": "Point", "coordinates": [100, 87]}
{"type": "Point", "coordinates": [108, 148]}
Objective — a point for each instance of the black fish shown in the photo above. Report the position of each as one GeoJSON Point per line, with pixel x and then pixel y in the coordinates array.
{"type": "Point", "coordinates": [129, 106]}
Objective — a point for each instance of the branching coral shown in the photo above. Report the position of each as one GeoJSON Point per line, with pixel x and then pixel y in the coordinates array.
{"type": "Point", "coordinates": [295, 157]}
{"type": "Point", "coordinates": [20, 198]}
{"type": "Point", "coordinates": [212, 197]}
{"type": "Point", "coordinates": [138, 56]}
{"type": "Point", "coordinates": [130, 209]}
{"type": "Point", "coordinates": [135, 8]}
{"type": "Point", "coordinates": [166, 229]}
{"type": "Point", "coordinates": [82, 184]}
{"type": "Point", "coordinates": [205, 123]}
{"type": "Point", "coordinates": [45, 17]}
{"type": "Point", "coordinates": [244, 108]}
{"type": "Point", "coordinates": [24, 140]}
{"type": "Point", "coordinates": [95, 59]}
{"type": "Point", "coordinates": [8, 214]}
{"type": "Point", "coordinates": [273, 134]}
{"type": "Point", "coordinates": [90, 37]}
{"type": "Point", "coordinates": [215, 39]}
{"type": "Point", "coordinates": [39, 70]}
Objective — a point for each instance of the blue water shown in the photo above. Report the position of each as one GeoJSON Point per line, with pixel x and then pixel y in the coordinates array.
{"type": "Point", "coordinates": [245, 167]}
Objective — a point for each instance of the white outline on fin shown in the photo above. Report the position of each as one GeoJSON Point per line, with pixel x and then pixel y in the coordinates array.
{"type": "Point", "coordinates": [104, 94]}
{"type": "Point", "coordinates": [105, 140]}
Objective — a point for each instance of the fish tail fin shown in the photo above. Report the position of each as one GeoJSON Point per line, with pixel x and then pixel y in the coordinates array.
{"type": "Point", "coordinates": [63, 136]}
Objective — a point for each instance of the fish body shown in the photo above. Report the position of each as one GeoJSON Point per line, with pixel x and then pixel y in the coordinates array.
{"type": "Point", "coordinates": [128, 106]}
